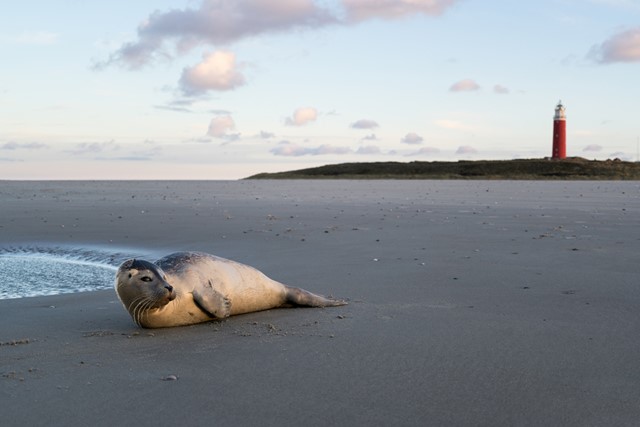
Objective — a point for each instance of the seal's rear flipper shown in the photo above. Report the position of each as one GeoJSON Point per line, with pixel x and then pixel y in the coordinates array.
{"type": "Point", "coordinates": [300, 297]}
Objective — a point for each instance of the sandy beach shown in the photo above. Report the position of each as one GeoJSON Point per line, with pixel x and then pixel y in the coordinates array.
{"type": "Point", "coordinates": [471, 303]}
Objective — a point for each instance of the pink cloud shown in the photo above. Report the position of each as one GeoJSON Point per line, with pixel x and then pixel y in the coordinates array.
{"type": "Point", "coordinates": [217, 71]}
{"type": "Point", "coordinates": [288, 149]}
{"type": "Point", "coordinates": [302, 116]}
{"type": "Point", "coordinates": [220, 126]}
{"type": "Point", "coordinates": [466, 85]}
{"type": "Point", "coordinates": [621, 47]}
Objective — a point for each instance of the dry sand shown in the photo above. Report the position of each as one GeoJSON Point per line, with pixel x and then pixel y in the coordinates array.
{"type": "Point", "coordinates": [471, 303]}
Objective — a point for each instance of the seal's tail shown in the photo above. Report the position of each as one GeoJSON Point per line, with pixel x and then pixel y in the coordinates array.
{"type": "Point", "coordinates": [302, 298]}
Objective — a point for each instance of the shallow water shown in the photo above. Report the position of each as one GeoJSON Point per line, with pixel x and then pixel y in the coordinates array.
{"type": "Point", "coordinates": [26, 272]}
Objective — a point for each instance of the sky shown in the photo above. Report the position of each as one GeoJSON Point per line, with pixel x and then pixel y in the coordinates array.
{"type": "Point", "coordinates": [223, 89]}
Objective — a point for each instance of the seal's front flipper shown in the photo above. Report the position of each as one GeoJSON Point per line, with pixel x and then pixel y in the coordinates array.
{"type": "Point", "coordinates": [212, 302]}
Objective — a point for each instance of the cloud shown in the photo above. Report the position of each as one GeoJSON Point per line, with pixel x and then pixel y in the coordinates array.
{"type": "Point", "coordinates": [302, 116]}
{"type": "Point", "coordinates": [200, 140]}
{"type": "Point", "coordinates": [266, 135]}
{"type": "Point", "coordinates": [95, 147]}
{"type": "Point", "coordinates": [23, 146]}
{"type": "Point", "coordinates": [450, 124]}
{"type": "Point", "coordinates": [360, 10]}
{"type": "Point", "coordinates": [466, 85]}
{"type": "Point", "coordinates": [465, 149]}
{"type": "Point", "coordinates": [220, 126]}
{"type": "Point", "coordinates": [286, 148]}
{"type": "Point", "coordinates": [216, 22]}
{"type": "Point", "coordinates": [364, 124]}
{"type": "Point", "coordinates": [425, 151]}
{"type": "Point", "coordinates": [217, 71]}
{"type": "Point", "coordinates": [593, 148]}
{"type": "Point", "coordinates": [172, 107]}
{"type": "Point", "coordinates": [185, 105]}
{"type": "Point", "coordinates": [371, 137]}
{"type": "Point", "coordinates": [368, 149]}
{"type": "Point", "coordinates": [500, 90]}
{"type": "Point", "coordinates": [412, 138]}
{"type": "Point", "coordinates": [147, 153]}
{"type": "Point", "coordinates": [162, 35]}
{"type": "Point", "coordinates": [9, 146]}
{"type": "Point", "coordinates": [621, 47]}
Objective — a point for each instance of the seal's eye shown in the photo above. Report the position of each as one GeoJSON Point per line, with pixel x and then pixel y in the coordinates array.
{"type": "Point", "coordinates": [146, 279]}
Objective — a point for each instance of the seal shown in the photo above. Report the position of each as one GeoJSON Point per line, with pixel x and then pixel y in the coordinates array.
{"type": "Point", "coordinates": [185, 288]}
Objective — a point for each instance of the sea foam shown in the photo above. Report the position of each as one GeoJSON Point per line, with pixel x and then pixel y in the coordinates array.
{"type": "Point", "coordinates": [35, 271]}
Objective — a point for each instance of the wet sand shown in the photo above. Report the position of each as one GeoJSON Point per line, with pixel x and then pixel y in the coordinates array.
{"type": "Point", "coordinates": [471, 303]}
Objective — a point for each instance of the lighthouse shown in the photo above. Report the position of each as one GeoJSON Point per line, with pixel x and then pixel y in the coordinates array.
{"type": "Point", "coordinates": [559, 133]}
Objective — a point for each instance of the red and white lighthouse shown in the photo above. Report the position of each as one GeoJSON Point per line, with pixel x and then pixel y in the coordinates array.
{"type": "Point", "coordinates": [559, 133]}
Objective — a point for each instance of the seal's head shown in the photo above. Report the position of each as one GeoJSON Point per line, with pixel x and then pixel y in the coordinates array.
{"type": "Point", "coordinates": [142, 286]}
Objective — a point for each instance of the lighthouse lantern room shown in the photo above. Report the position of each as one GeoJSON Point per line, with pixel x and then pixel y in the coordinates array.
{"type": "Point", "coordinates": [559, 133]}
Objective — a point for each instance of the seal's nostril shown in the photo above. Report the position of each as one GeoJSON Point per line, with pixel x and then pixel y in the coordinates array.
{"type": "Point", "coordinates": [169, 288]}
